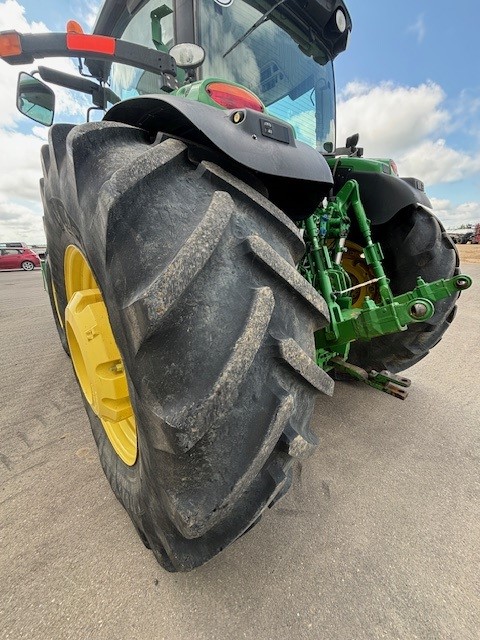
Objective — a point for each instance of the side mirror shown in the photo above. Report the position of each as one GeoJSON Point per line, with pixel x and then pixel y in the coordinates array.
{"type": "Point", "coordinates": [352, 141]}
{"type": "Point", "coordinates": [35, 99]}
{"type": "Point", "coordinates": [350, 149]}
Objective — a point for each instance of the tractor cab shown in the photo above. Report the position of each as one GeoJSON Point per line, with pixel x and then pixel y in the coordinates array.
{"type": "Point", "coordinates": [281, 51]}
{"type": "Point", "coordinates": [272, 57]}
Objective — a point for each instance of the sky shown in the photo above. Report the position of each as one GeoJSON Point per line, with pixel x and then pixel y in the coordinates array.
{"type": "Point", "coordinates": [409, 83]}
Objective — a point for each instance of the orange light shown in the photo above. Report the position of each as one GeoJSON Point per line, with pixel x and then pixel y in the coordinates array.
{"type": "Point", "coordinates": [94, 44]}
{"type": "Point", "coordinates": [10, 44]}
{"type": "Point", "coordinates": [232, 97]}
{"type": "Point", "coordinates": [74, 27]}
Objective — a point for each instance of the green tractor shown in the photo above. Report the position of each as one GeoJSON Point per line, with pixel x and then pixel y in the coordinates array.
{"type": "Point", "coordinates": [214, 261]}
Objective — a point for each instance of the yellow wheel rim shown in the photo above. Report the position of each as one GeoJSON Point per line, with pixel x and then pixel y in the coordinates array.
{"type": "Point", "coordinates": [96, 357]}
{"type": "Point", "coordinates": [359, 271]}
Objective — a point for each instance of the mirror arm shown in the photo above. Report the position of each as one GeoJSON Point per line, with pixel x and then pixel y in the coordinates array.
{"type": "Point", "coordinates": [100, 95]}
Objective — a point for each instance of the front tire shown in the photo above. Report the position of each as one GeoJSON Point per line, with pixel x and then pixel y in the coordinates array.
{"type": "Point", "coordinates": [212, 321]}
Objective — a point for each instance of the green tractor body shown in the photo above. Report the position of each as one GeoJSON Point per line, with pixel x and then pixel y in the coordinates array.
{"type": "Point", "coordinates": [213, 258]}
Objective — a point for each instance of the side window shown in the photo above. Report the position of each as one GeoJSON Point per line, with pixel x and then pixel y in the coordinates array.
{"type": "Point", "coordinates": [151, 27]}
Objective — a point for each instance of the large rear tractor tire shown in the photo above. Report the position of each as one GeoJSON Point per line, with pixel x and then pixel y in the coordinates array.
{"type": "Point", "coordinates": [190, 330]}
{"type": "Point", "coordinates": [52, 295]}
{"type": "Point", "coordinates": [415, 244]}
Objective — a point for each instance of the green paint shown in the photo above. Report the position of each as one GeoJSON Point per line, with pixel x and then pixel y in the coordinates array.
{"type": "Point", "coordinates": [354, 163]}
{"type": "Point", "coordinates": [325, 233]}
{"type": "Point", "coordinates": [198, 91]}
{"type": "Point", "coordinates": [156, 18]}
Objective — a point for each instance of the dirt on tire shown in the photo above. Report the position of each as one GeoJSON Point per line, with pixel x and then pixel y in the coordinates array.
{"type": "Point", "coordinates": [213, 322]}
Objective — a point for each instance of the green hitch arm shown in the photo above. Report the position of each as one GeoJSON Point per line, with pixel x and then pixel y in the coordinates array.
{"type": "Point", "coordinates": [391, 314]}
{"type": "Point", "coordinates": [372, 251]}
{"type": "Point", "coordinates": [385, 381]}
{"type": "Point", "coordinates": [316, 253]}
{"type": "Point", "coordinates": [436, 290]}
{"type": "Point", "coordinates": [321, 260]}
{"type": "Point", "coordinates": [374, 320]}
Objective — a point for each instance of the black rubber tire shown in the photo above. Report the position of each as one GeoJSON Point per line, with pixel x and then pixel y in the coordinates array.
{"type": "Point", "coordinates": [214, 324]}
{"type": "Point", "coordinates": [415, 244]}
{"type": "Point", "coordinates": [48, 282]}
{"type": "Point", "coordinates": [30, 264]}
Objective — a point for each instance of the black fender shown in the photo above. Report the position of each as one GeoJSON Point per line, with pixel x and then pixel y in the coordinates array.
{"type": "Point", "coordinates": [296, 176]}
{"type": "Point", "coordinates": [384, 195]}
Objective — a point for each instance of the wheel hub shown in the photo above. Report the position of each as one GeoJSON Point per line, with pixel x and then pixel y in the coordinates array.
{"type": "Point", "coordinates": [358, 270]}
{"type": "Point", "coordinates": [96, 357]}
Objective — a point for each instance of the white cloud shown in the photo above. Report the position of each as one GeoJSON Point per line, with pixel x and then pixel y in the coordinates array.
{"type": "Point", "coordinates": [390, 117]}
{"type": "Point", "coordinates": [406, 123]}
{"type": "Point", "coordinates": [467, 113]}
{"type": "Point", "coordinates": [20, 167]}
{"type": "Point", "coordinates": [434, 162]}
{"type": "Point", "coordinates": [69, 103]}
{"type": "Point", "coordinates": [453, 216]}
{"type": "Point", "coordinates": [12, 16]}
{"type": "Point", "coordinates": [40, 132]}
{"type": "Point", "coordinates": [90, 13]}
{"type": "Point", "coordinates": [19, 223]}
{"type": "Point", "coordinates": [418, 28]}
{"type": "Point", "coordinates": [409, 124]}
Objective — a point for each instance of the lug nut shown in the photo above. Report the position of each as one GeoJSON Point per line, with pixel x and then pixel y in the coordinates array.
{"type": "Point", "coordinates": [418, 310]}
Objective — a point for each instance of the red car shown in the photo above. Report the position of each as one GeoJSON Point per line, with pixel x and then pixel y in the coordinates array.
{"type": "Point", "coordinates": [16, 255]}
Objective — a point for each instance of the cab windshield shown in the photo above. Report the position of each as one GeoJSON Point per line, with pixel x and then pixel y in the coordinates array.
{"type": "Point", "coordinates": [279, 61]}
